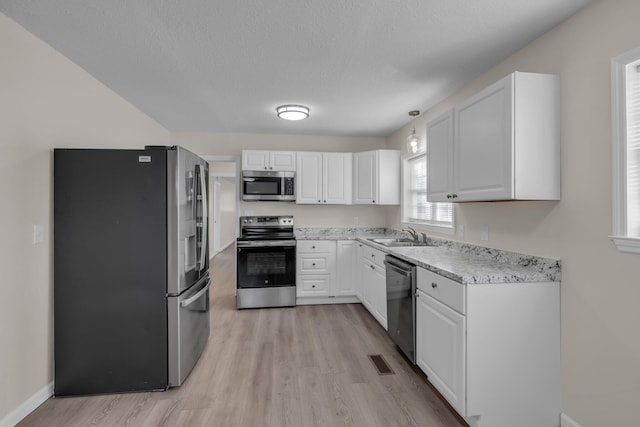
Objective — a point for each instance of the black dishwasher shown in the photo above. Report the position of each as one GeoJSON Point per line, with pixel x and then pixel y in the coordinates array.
{"type": "Point", "coordinates": [401, 307]}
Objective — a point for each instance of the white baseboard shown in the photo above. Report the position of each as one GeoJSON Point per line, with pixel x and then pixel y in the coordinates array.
{"type": "Point", "coordinates": [28, 406]}
{"type": "Point", "coordinates": [565, 421]}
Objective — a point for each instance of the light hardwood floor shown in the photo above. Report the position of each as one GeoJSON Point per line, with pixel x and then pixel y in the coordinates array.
{"type": "Point", "coordinates": [301, 366]}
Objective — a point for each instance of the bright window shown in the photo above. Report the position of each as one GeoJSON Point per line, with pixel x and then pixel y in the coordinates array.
{"type": "Point", "coordinates": [416, 211]}
{"type": "Point", "coordinates": [625, 72]}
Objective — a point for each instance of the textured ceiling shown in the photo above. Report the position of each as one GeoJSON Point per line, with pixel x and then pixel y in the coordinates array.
{"type": "Point", "coordinates": [224, 65]}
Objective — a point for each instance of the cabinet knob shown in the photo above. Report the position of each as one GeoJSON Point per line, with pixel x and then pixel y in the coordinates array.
{"type": "Point", "coordinates": [270, 167]}
{"type": "Point", "coordinates": [324, 201]}
{"type": "Point", "coordinates": [434, 285]}
{"type": "Point", "coordinates": [265, 168]}
{"type": "Point", "coordinates": [373, 255]}
{"type": "Point", "coordinates": [373, 201]}
{"type": "Point", "coordinates": [313, 265]}
{"type": "Point", "coordinates": [313, 247]}
{"type": "Point", "coordinates": [455, 196]}
{"type": "Point", "coordinates": [372, 267]}
{"type": "Point", "coordinates": [449, 196]}
{"type": "Point", "coordinates": [313, 286]}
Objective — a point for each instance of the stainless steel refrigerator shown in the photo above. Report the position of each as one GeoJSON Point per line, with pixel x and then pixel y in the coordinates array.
{"type": "Point", "coordinates": [131, 259]}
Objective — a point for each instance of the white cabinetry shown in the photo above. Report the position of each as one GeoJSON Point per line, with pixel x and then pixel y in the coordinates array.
{"type": "Point", "coordinates": [324, 178]}
{"type": "Point", "coordinates": [491, 350]}
{"type": "Point", "coordinates": [255, 160]}
{"type": "Point", "coordinates": [440, 341]}
{"type": "Point", "coordinates": [506, 144]}
{"type": "Point", "coordinates": [376, 177]}
{"type": "Point", "coordinates": [347, 273]}
{"type": "Point", "coordinates": [321, 276]}
{"type": "Point", "coordinates": [373, 283]}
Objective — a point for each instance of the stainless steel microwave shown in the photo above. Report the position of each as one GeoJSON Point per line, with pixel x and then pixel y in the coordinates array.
{"type": "Point", "coordinates": [268, 186]}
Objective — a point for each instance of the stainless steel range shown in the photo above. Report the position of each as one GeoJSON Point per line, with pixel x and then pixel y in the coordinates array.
{"type": "Point", "coordinates": [266, 262]}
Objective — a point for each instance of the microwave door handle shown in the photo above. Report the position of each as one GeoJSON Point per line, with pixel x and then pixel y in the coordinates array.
{"type": "Point", "coordinates": [205, 217]}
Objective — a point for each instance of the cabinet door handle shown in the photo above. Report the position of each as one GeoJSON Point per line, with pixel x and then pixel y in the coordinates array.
{"type": "Point", "coordinates": [449, 196]}
{"type": "Point", "coordinates": [434, 285]}
{"type": "Point", "coordinates": [455, 196]}
{"type": "Point", "coordinates": [372, 267]}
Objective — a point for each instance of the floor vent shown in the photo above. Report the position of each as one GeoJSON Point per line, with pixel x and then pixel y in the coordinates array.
{"type": "Point", "coordinates": [381, 365]}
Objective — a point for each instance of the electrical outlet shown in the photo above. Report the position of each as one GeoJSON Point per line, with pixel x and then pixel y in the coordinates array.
{"type": "Point", "coordinates": [484, 234]}
{"type": "Point", "coordinates": [38, 233]}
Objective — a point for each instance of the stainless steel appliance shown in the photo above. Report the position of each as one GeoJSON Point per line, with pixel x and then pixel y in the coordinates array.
{"type": "Point", "coordinates": [401, 304]}
{"type": "Point", "coordinates": [266, 262]}
{"type": "Point", "coordinates": [268, 186]}
{"type": "Point", "coordinates": [131, 281]}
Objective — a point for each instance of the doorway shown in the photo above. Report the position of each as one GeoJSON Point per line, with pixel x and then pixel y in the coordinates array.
{"type": "Point", "coordinates": [224, 205]}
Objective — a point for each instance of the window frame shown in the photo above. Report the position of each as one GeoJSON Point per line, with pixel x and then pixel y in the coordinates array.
{"type": "Point", "coordinates": [422, 225]}
{"type": "Point", "coordinates": [622, 240]}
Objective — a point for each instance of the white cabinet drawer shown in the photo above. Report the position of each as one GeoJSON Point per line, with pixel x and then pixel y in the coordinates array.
{"type": "Point", "coordinates": [315, 246]}
{"type": "Point", "coordinates": [314, 264]}
{"type": "Point", "coordinates": [373, 255]}
{"type": "Point", "coordinates": [313, 286]}
{"type": "Point", "coordinates": [448, 292]}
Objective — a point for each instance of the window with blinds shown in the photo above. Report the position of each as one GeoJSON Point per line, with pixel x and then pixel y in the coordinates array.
{"type": "Point", "coordinates": [633, 148]}
{"type": "Point", "coordinates": [625, 103]}
{"type": "Point", "coordinates": [416, 210]}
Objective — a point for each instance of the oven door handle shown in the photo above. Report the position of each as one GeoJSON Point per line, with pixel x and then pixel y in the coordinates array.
{"type": "Point", "coordinates": [266, 243]}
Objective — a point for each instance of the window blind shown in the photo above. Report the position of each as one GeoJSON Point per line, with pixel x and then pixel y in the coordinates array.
{"type": "Point", "coordinates": [633, 148]}
{"type": "Point", "coordinates": [416, 207]}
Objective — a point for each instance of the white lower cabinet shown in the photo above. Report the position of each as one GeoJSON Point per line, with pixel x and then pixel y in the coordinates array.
{"type": "Point", "coordinates": [491, 350]}
{"type": "Point", "coordinates": [440, 346]}
{"type": "Point", "coordinates": [373, 283]}
{"type": "Point", "coordinates": [326, 272]}
{"type": "Point", "coordinates": [347, 273]}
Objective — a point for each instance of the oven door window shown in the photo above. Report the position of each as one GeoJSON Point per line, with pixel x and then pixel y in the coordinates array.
{"type": "Point", "coordinates": [262, 186]}
{"type": "Point", "coordinates": [266, 267]}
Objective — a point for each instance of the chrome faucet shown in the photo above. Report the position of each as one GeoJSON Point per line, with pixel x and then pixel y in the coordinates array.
{"type": "Point", "coordinates": [411, 231]}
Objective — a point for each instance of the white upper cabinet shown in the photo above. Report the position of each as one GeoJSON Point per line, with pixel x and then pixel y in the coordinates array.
{"type": "Point", "coordinates": [440, 157]}
{"type": "Point", "coordinates": [505, 144]}
{"type": "Point", "coordinates": [376, 176]}
{"type": "Point", "coordinates": [256, 160]}
{"type": "Point", "coordinates": [324, 178]}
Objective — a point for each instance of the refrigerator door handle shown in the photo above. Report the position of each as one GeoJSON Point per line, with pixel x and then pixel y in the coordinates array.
{"type": "Point", "coordinates": [205, 217]}
{"type": "Point", "coordinates": [197, 296]}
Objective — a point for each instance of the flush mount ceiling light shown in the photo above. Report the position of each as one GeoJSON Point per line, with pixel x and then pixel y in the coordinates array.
{"type": "Point", "coordinates": [293, 112]}
{"type": "Point", "coordinates": [413, 141]}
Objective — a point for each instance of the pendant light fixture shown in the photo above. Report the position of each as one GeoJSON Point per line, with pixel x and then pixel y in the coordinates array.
{"type": "Point", "coordinates": [413, 141]}
{"type": "Point", "coordinates": [292, 112]}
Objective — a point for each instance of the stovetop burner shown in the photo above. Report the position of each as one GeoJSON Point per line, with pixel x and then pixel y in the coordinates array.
{"type": "Point", "coordinates": [266, 228]}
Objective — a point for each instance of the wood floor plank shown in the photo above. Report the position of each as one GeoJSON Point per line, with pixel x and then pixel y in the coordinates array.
{"type": "Point", "coordinates": [290, 366]}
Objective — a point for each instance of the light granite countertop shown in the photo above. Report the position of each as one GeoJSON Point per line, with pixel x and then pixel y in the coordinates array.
{"type": "Point", "coordinates": [464, 263]}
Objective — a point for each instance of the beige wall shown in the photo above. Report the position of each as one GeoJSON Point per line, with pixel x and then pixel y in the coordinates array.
{"type": "Point", "coordinates": [600, 286]}
{"type": "Point", "coordinates": [45, 102]}
{"type": "Point", "coordinates": [305, 215]}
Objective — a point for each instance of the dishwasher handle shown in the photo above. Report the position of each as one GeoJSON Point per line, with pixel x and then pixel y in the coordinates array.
{"type": "Point", "coordinates": [400, 269]}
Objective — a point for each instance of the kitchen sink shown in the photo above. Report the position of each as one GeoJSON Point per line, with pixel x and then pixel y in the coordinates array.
{"type": "Point", "coordinates": [398, 242]}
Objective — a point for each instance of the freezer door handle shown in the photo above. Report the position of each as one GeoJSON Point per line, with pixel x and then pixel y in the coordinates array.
{"type": "Point", "coordinates": [197, 296]}
{"type": "Point", "coordinates": [205, 217]}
